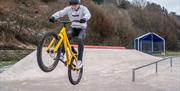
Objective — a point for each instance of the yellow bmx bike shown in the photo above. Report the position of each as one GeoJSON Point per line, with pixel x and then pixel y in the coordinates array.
{"type": "Point", "coordinates": [47, 50]}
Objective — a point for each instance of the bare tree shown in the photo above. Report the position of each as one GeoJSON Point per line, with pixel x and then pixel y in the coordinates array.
{"type": "Point", "coordinates": [139, 3]}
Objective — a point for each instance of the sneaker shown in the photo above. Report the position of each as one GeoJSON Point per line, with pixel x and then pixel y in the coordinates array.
{"type": "Point", "coordinates": [79, 64]}
{"type": "Point", "coordinates": [60, 58]}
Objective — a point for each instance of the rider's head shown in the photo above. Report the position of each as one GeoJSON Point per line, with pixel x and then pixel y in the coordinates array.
{"type": "Point", "coordinates": [75, 3]}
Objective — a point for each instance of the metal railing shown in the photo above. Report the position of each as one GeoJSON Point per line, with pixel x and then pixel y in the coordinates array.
{"type": "Point", "coordinates": [156, 68]}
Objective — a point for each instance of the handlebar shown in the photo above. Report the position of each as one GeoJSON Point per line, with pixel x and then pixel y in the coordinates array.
{"type": "Point", "coordinates": [67, 22]}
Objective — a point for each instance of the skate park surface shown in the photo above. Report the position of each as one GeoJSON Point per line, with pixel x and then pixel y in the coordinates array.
{"type": "Point", "coordinates": [104, 70]}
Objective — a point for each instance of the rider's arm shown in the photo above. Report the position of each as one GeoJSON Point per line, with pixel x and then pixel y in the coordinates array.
{"type": "Point", "coordinates": [87, 14]}
{"type": "Point", "coordinates": [61, 13]}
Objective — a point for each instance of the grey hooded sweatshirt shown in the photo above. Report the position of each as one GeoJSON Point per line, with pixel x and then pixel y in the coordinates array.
{"type": "Point", "coordinates": [82, 12]}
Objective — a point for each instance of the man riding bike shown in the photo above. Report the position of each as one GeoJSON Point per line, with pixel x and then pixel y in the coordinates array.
{"type": "Point", "coordinates": [75, 12]}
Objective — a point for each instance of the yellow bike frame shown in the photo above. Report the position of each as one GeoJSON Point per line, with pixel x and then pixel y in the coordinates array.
{"type": "Point", "coordinates": [68, 49]}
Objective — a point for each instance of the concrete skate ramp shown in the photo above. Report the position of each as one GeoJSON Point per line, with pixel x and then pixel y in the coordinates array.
{"type": "Point", "coordinates": [104, 70]}
{"type": "Point", "coordinates": [95, 60]}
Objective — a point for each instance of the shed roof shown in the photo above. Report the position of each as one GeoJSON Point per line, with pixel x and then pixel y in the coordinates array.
{"type": "Point", "coordinates": [148, 36]}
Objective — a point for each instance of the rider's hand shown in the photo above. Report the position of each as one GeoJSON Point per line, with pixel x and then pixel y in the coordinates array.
{"type": "Point", "coordinates": [83, 20]}
{"type": "Point", "coordinates": [52, 19]}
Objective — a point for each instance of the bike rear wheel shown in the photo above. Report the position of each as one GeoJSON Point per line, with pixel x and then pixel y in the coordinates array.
{"type": "Point", "coordinates": [74, 74]}
{"type": "Point", "coordinates": [45, 58]}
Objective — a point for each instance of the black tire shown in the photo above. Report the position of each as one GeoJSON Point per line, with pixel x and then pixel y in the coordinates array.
{"type": "Point", "coordinates": [70, 75]}
{"type": "Point", "coordinates": [40, 46]}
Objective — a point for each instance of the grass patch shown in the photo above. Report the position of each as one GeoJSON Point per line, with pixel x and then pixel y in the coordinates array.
{"type": "Point", "coordinates": [168, 53]}
{"type": "Point", "coordinates": [6, 63]}
{"type": "Point", "coordinates": [172, 53]}
{"type": "Point", "coordinates": [10, 57]}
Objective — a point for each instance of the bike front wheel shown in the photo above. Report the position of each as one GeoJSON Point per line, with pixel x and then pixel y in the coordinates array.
{"type": "Point", "coordinates": [45, 55]}
{"type": "Point", "coordinates": [74, 74]}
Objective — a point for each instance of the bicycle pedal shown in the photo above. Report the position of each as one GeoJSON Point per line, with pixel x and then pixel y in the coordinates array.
{"type": "Point", "coordinates": [52, 51]}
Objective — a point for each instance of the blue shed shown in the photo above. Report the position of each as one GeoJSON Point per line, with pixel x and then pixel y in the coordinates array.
{"type": "Point", "coordinates": [150, 43]}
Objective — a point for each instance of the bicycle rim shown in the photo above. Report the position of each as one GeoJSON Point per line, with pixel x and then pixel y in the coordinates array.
{"type": "Point", "coordinates": [74, 74]}
{"type": "Point", "coordinates": [45, 58]}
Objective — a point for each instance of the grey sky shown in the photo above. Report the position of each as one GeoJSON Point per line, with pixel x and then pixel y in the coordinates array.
{"type": "Point", "coordinates": [170, 5]}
